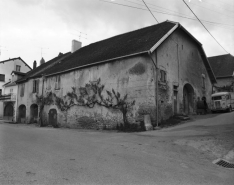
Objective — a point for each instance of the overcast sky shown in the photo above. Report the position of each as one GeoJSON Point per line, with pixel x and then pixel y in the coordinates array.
{"type": "Point", "coordinates": [33, 28]}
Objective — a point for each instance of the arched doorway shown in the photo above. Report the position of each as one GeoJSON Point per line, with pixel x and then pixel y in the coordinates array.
{"type": "Point", "coordinates": [33, 113]}
{"type": "Point", "coordinates": [22, 113]}
{"type": "Point", "coordinates": [188, 100]}
{"type": "Point", "coordinates": [8, 111]}
{"type": "Point", "coordinates": [53, 117]}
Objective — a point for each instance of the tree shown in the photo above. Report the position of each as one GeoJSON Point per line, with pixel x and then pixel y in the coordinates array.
{"type": "Point", "coordinates": [42, 101]}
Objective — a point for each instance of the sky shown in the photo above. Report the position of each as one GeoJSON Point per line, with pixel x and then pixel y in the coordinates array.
{"type": "Point", "coordinates": [32, 29]}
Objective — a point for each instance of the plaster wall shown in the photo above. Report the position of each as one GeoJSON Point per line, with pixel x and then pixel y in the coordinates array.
{"type": "Point", "coordinates": [133, 76]}
{"type": "Point", "coordinates": [183, 64]}
{"type": "Point", "coordinates": [29, 97]}
{"type": "Point", "coordinates": [6, 68]}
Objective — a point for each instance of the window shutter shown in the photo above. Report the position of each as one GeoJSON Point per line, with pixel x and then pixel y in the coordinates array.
{"type": "Point", "coordinates": [37, 86]}
{"type": "Point", "coordinates": [33, 85]}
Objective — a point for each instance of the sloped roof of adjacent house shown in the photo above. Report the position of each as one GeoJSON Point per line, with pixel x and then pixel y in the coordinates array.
{"type": "Point", "coordinates": [40, 70]}
{"type": "Point", "coordinates": [222, 65]}
{"type": "Point", "coordinates": [17, 58]}
{"type": "Point", "coordinates": [18, 73]}
{"type": "Point", "coordinates": [140, 41]}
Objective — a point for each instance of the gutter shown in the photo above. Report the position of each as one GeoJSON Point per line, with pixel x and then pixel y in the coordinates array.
{"type": "Point", "coordinates": [156, 85]}
{"type": "Point", "coordinates": [163, 38]}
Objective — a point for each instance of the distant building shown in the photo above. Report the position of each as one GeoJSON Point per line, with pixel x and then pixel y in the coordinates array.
{"type": "Point", "coordinates": [163, 68]}
{"type": "Point", "coordinates": [10, 71]}
{"type": "Point", "coordinates": [223, 67]}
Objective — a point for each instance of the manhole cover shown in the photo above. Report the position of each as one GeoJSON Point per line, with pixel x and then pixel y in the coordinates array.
{"type": "Point", "coordinates": [223, 163]}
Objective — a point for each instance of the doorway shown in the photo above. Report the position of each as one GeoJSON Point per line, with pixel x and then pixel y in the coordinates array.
{"type": "Point", "coordinates": [53, 117]}
{"type": "Point", "coordinates": [33, 113]}
{"type": "Point", "coordinates": [22, 113]}
{"type": "Point", "coordinates": [188, 100]}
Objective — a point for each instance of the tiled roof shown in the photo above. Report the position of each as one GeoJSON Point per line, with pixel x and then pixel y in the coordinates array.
{"type": "Point", "coordinates": [10, 84]}
{"type": "Point", "coordinates": [138, 41]}
{"type": "Point", "coordinates": [40, 70]}
{"type": "Point", "coordinates": [19, 73]}
{"type": "Point", "coordinates": [223, 65]}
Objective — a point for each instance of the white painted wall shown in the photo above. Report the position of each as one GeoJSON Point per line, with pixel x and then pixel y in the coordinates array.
{"type": "Point", "coordinates": [6, 68]}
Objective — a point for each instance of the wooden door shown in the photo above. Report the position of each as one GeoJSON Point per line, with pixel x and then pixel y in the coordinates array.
{"type": "Point", "coordinates": [175, 102]}
{"type": "Point", "coordinates": [53, 117]}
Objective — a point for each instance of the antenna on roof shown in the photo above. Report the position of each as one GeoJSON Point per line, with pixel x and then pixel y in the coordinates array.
{"type": "Point", "coordinates": [2, 49]}
{"type": "Point", "coordinates": [42, 50]}
{"type": "Point", "coordinates": [80, 34]}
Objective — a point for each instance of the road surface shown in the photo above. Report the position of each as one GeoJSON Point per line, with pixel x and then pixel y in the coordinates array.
{"type": "Point", "coordinates": [178, 155]}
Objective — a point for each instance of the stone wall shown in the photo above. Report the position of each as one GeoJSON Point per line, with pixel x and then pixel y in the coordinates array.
{"type": "Point", "coordinates": [180, 57]}
{"type": "Point", "coordinates": [133, 76]}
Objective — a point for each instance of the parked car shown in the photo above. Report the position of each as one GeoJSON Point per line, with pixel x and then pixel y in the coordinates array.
{"type": "Point", "coordinates": [222, 101]}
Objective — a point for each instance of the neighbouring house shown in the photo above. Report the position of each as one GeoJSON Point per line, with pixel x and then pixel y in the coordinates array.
{"type": "Point", "coordinates": [154, 72]}
{"type": "Point", "coordinates": [10, 71]}
{"type": "Point", "coordinates": [223, 67]}
{"type": "Point", "coordinates": [29, 86]}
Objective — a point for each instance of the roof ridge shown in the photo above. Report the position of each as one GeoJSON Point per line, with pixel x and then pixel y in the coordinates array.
{"type": "Point", "coordinates": [126, 33]}
{"type": "Point", "coordinates": [10, 59]}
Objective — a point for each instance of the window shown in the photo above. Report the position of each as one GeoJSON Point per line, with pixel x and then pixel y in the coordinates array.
{"type": "Point", "coordinates": [162, 76]}
{"type": "Point", "coordinates": [57, 82]}
{"type": "Point", "coordinates": [2, 78]}
{"type": "Point", "coordinates": [203, 81]}
{"type": "Point", "coordinates": [22, 90]}
{"type": "Point", "coordinates": [48, 84]}
{"type": "Point", "coordinates": [35, 86]}
{"type": "Point", "coordinates": [11, 91]}
{"type": "Point", "coordinates": [17, 68]}
{"type": "Point", "coordinates": [0, 92]}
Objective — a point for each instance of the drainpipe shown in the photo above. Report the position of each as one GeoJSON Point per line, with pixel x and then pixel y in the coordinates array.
{"type": "Point", "coordinates": [155, 63]}
{"type": "Point", "coordinates": [42, 93]}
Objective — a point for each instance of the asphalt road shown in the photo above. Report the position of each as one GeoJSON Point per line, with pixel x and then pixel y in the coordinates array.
{"type": "Point", "coordinates": [178, 155]}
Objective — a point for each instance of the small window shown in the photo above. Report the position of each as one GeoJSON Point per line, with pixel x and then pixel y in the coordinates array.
{"type": "Point", "coordinates": [203, 81]}
{"type": "Point", "coordinates": [22, 90]}
{"type": "Point", "coordinates": [57, 82]}
{"type": "Point", "coordinates": [162, 76]}
{"type": "Point", "coordinates": [35, 86]}
{"type": "Point", "coordinates": [227, 97]}
{"type": "Point", "coordinates": [18, 68]}
{"type": "Point", "coordinates": [11, 90]}
{"type": "Point", "coordinates": [2, 78]}
{"type": "Point", "coordinates": [0, 92]}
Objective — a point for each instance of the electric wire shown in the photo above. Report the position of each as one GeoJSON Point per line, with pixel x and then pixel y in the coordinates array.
{"type": "Point", "coordinates": [208, 22]}
{"type": "Point", "coordinates": [205, 27]}
{"type": "Point", "coordinates": [150, 11]}
{"type": "Point", "coordinates": [211, 10]}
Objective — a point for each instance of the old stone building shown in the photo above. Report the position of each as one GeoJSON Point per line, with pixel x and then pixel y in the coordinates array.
{"type": "Point", "coordinates": [158, 71]}
{"type": "Point", "coordinates": [223, 67]}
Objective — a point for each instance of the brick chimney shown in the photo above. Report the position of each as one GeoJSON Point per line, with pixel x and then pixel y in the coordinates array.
{"type": "Point", "coordinates": [75, 45]}
{"type": "Point", "coordinates": [34, 64]}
